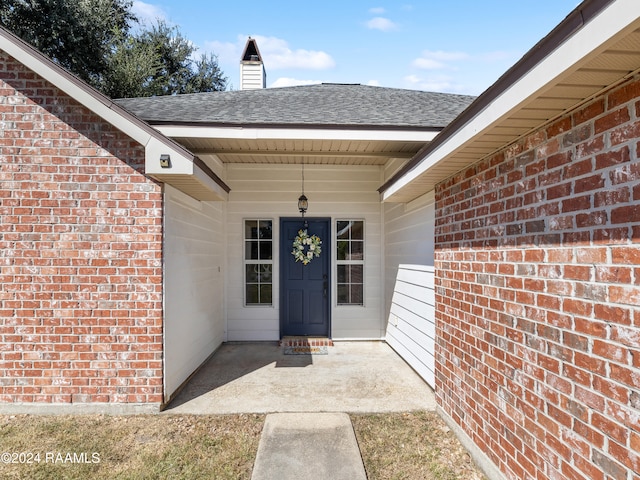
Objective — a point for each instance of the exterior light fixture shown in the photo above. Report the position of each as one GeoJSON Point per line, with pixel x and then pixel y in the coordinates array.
{"type": "Point", "coordinates": [303, 203]}
{"type": "Point", "coordinates": [165, 160]}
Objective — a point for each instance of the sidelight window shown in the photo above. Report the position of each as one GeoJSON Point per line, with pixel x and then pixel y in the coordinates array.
{"type": "Point", "coordinates": [350, 262]}
{"type": "Point", "coordinates": [258, 262]}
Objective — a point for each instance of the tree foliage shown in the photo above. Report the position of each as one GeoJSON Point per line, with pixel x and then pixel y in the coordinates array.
{"type": "Point", "coordinates": [77, 34]}
{"type": "Point", "coordinates": [94, 39]}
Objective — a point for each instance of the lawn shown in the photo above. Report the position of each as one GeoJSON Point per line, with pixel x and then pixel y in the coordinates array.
{"type": "Point", "coordinates": [393, 446]}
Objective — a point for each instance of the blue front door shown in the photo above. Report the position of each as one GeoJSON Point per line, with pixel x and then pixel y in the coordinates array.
{"type": "Point", "coordinates": [304, 289]}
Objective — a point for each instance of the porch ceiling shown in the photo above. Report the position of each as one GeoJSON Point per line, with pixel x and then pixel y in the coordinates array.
{"type": "Point", "coordinates": [509, 118]}
{"type": "Point", "coordinates": [291, 151]}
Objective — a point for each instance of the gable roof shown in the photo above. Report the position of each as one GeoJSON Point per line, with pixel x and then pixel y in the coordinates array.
{"type": "Point", "coordinates": [595, 47]}
{"type": "Point", "coordinates": [187, 172]}
{"type": "Point", "coordinates": [319, 106]}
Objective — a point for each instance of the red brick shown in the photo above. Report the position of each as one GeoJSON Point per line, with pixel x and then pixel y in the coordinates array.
{"type": "Point", "coordinates": [612, 120]}
{"type": "Point", "coordinates": [54, 199]}
{"type": "Point", "coordinates": [624, 295]}
{"type": "Point", "coordinates": [623, 94]}
{"type": "Point", "coordinates": [626, 255]}
{"type": "Point", "coordinates": [560, 126]}
{"type": "Point", "coordinates": [610, 351]}
{"type": "Point", "coordinates": [584, 281]}
{"type": "Point", "coordinates": [576, 203]}
{"type": "Point", "coordinates": [626, 214]}
{"type": "Point", "coordinates": [617, 157]}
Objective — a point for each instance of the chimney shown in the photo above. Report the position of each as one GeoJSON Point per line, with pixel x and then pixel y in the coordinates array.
{"type": "Point", "coordinates": [252, 74]}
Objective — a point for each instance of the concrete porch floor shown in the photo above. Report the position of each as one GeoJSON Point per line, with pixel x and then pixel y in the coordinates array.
{"type": "Point", "coordinates": [355, 377]}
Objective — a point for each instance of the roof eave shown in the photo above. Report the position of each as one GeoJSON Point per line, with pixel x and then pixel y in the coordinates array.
{"type": "Point", "coordinates": [306, 132]}
{"type": "Point", "coordinates": [183, 164]}
{"type": "Point", "coordinates": [584, 32]}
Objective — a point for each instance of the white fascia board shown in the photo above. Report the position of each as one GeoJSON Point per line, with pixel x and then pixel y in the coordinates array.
{"type": "Point", "coordinates": [102, 106]}
{"type": "Point", "coordinates": [249, 133]}
{"type": "Point", "coordinates": [620, 17]}
{"type": "Point", "coordinates": [210, 184]}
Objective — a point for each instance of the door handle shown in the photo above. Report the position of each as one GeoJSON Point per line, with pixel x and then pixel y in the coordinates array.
{"type": "Point", "coordinates": [324, 285]}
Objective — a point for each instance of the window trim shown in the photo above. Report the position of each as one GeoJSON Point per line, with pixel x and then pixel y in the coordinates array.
{"type": "Point", "coordinates": [246, 262]}
{"type": "Point", "coordinates": [351, 262]}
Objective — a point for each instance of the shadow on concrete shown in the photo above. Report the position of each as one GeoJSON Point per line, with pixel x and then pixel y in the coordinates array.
{"type": "Point", "coordinates": [259, 378]}
{"type": "Point", "coordinates": [233, 361]}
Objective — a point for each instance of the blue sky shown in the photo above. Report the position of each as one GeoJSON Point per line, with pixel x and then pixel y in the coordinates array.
{"type": "Point", "coordinates": [454, 46]}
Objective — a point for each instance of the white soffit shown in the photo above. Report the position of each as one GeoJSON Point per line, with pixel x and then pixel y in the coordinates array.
{"type": "Point", "coordinates": [614, 22]}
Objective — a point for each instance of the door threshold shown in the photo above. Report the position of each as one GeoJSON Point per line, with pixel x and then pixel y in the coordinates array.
{"type": "Point", "coordinates": [305, 341]}
{"type": "Point", "coordinates": [305, 345]}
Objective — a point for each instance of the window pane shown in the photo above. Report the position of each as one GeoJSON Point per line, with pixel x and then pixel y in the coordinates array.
{"type": "Point", "coordinates": [343, 229]}
{"type": "Point", "coordinates": [266, 250]}
{"type": "Point", "coordinates": [343, 274]}
{"type": "Point", "coordinates": [265, 273]}
{"type": "Point", "coordinates": [357, 250]}
{"type": "Point", "coordinates": [265, 230]}
{"type": "Point", "coordinates": [343, 294]}
{"type": "Point", "coordinates": [356, 294]}
{"type": "Point", "coordinates": [343, 249]}
{"type": "Point", "coordinates": [357, 230]}
{"type": "Point", "coordinates": [357, 274]}
{"type": "Point", "coordinates": [265, 293]}
{"type": "Point", "coordinates": [252, 294]}
{"type": "Point", "coordinates": [251, 250]}
{"type": "Point", "coordinates": [250, 229]}
{"type": "Point", "coordinates": [252, 273]}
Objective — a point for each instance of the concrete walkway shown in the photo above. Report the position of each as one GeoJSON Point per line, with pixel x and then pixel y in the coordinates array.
{"type": "Point", "coordinates": [366, 377]}
{"type": "Point", "coordinates": [310, 435]}
{"type": "Point", "coordinates": [308, 445]}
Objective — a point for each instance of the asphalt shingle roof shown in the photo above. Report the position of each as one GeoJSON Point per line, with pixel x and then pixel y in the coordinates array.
{"type": "Point", "coordinates": [318, 105]}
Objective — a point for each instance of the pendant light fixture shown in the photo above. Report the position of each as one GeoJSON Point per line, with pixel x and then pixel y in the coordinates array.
{"type": "Point", "coordinates": [303, 203]}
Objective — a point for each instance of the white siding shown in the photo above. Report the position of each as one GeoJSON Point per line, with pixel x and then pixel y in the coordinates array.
{"type": "Point", "coordinates": [193, 284]}
{"type": "Point", "coordinates": [252, 76]}
{"type": "Point", "coordinates": [411, 329]}
{"type": "Point", "coordinates": [409, 237]}
{"type": "Point", "coordinates": [272, 191]}
{"type": "Point", "coordinates": [409, 296]}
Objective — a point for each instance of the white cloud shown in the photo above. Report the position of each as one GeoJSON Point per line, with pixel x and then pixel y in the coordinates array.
{"type": "Point", "coordinates": [382, 24]}
{"type": "Point", "coordinates": [373, 83]}
{"type": "Point", "coordinates": [436, 83]}
{"type": "Point", "coordinates": [377, 10]}
{"type": "Point", "coordinates": [292, 82]}
{"type": "Point", "coordinates": [148, 13]}
{"type": "Point", "coordinates": [428, 64]}
{"type": "Point", "coordinates": [438, 60]}
{"type": "Point", "coordinates": [275, 52]}
{"type": "Point", "coordinates": [227, 52]}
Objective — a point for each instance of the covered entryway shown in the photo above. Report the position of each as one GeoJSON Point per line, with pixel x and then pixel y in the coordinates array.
{"type": "Point", "coordinates": [337, 143]}
{"type": "Point", "coordinates": [305, 303]}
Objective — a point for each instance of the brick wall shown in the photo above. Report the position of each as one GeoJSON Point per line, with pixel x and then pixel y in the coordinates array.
{"type": "Point", "coordinates": [538, 289]}
{"type": "Point", "coordinates": [80, 253]}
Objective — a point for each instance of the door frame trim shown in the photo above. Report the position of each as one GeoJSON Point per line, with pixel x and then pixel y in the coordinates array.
{"type": "Point", "coordinates": [281, 272]}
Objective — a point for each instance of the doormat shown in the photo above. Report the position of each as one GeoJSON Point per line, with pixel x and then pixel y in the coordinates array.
{"type": "Point", "coordinates": [306, 345]}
